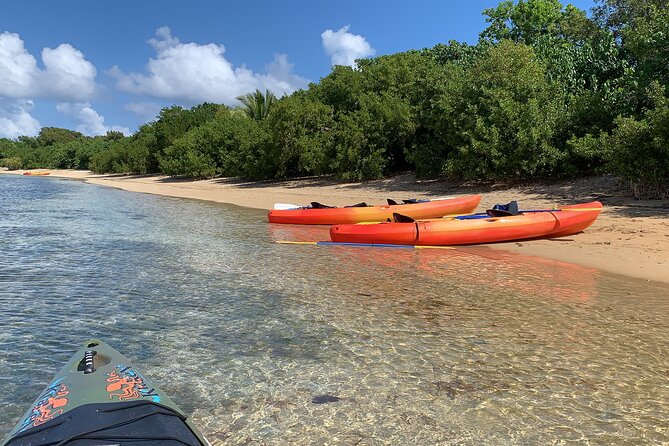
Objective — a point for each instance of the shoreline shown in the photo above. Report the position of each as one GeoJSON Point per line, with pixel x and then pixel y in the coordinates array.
{"type": "Point", "coordinates": [629, 237]}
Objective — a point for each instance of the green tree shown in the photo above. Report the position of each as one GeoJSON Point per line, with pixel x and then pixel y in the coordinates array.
{"type": "Point", "coordinates": [394, 74]}
{"type": "Point", "coordinates": [617, 15]}
{"type": "Point", "coordinates": [8, 147]}
{"type": "Point", "coordinates": [372, 141]}
{"type": "Point", "coordinates": [9, 154]}
{"type": "Point", "coordinates": [230, 145]}
{"type": "Point", "coordinates": [77, 154]}
{"type": "Point", "coordinates": [173, 123]}
{"type": "Point", "coordinates": [456, 52]}
{"type": "Point", "coordinates": [128, 155]}
{"type": "Point", "coordinates": [494, 119]}
{"type": "Point", "coordinates": [638, 148]}
{"type": "Point", "coordinates": [301, 131]}
{"type": "Point", "coordinates": [29, 141]}
{"type": "Point", "coordinates": [524, 21]}
{"type": "Point", "coordinates": [54, 135]}
{"type": "Point", "coordinates": [11, 163]}
{"type": "Point", "coordinates": [340, 89]}
{"type": "Point", "coordinates": [114, 135]}
{"type": "Point", "coordinates": [647, 42]}
{"type": "Point", "coordinates": [257, 105]}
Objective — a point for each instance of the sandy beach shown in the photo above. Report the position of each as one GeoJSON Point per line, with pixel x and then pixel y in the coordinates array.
{"type": "Point", "coordinates": [631, 237]}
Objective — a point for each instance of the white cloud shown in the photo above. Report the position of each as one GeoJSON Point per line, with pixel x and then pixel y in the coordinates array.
{"type": "Point", "coordinates": [90, 123]}
{"type": "Point", "coordinates": [17, 67]}
{"type": "Point", "coordinates": [15, 118]}
{"type": "Point", "coordinates": [193, 73]}
{"type": "Point", "coordinates": [67, 75]}
{"type": "Point", "coordinates": [147, 111]}
{"type": "Point", "coordinates": [280, 77]}
{"type": "Point", "coordinates": [164, 40]}
{"type": "Point", "coordinates": [344, 48]}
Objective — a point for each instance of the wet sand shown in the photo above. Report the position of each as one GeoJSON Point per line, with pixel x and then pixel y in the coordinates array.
{"type": "Point", "coordinates": [631, 237]}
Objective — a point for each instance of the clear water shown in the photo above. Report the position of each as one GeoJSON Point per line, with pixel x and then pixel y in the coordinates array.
{"type": "Point", "coordinates": [468, 346]}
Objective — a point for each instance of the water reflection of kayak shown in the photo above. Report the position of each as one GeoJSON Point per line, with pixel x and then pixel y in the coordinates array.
{"type": "Point", "coordinates": [318, 214]}
{"type": "Point", "coordinates": [99, 398]}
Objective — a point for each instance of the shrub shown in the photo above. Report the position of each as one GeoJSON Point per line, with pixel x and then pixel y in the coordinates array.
{"type": "Point", "coordinates": [301, 136]}
{"type": "Point", "coordinates": [494, 119]}
{"type": "Point", "coordinates": [231, 145]}
{"type": "Point", "coordinates": [13, 163]}
{"type": "Point", "coordinates": [373, 140]}
{"type": "Point", "coordinates": [638, 149]}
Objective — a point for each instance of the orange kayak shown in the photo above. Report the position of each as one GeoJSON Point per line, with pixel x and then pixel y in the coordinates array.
{"type": "Point", "coordinates": [36, 173]}
{"type": "Point", "coordinates": [356, 214]}
{"type": "Point", "coordinates": [474, 229]}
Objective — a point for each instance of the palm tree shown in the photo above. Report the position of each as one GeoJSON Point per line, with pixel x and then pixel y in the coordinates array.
{"type": "Point", "coordinates": [257, 105]}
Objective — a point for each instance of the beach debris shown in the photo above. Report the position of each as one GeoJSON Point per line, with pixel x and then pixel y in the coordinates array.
{"type": "Point", "coordinates": [324, 399]}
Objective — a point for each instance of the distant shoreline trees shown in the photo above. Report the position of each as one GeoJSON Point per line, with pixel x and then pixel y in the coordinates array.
{"type": "Point", "coordinates": [547, 92]}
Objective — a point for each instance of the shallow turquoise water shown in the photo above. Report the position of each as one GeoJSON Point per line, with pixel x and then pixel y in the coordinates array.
{"type": "Point", "coordinates": [467, 346]}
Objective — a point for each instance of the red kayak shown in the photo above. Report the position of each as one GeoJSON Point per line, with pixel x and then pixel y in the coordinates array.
{"type": "Point", "coordinates": [479, 228]}
{"type": "Point", "coordinates": [419, 209]}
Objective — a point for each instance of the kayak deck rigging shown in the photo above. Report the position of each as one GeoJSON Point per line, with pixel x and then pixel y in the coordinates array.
{"type": "Point", "coordinates": [99, 398]}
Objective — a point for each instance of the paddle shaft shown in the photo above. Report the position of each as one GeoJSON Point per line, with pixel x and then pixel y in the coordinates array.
{"type": "Point", "coordinates": [363, 245]}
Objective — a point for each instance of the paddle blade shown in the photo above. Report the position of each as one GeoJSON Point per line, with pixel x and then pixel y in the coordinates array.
{"type": "Point", "coordinates": [286, 206]}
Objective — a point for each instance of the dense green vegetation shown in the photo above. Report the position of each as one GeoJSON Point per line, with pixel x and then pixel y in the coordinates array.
{"type": "Point", "coordinates": [547, 92]}
{"type": "Point", "coordinates": [54, 148]}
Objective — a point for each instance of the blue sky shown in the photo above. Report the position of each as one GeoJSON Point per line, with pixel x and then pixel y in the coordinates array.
{"type": "Point", "coordinates": [98, 66]}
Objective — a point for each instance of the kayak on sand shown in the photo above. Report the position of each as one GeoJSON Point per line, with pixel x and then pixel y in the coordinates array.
{"type": "Point", "coordinates": [318, 214]}
{"type": "Point", "coordinates": [99, 398]}
{"type": "Point", "coordinates": [478, 228]}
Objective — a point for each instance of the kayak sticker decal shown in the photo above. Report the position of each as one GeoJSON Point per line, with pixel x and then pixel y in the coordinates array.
{"type": "Point", "coordinates": [48, 407]}
{"type": "Point", "coordinates": [127, 384]}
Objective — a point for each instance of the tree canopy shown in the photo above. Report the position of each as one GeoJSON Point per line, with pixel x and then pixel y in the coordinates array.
{"type": "Point", "coordinates": [547, 91]}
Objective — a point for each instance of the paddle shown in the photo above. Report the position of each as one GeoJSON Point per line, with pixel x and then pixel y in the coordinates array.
{"type": "Point", "coordinates": [484, 215]}
{"type": "Point", "coordinates": [565, 210]}
{"type": "Point", "coordinates": [364, 245]}
{"type": "Point", "coordinates": [314, 205]}
{"type": "Point", "coordinates": [286, 206]}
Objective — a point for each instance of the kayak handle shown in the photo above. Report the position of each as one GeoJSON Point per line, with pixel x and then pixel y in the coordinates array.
{"type": "Point", "coordinates": [88, 362]}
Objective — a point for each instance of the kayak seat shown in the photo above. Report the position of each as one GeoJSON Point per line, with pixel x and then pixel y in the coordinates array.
{"type": "Point", "coordinates": [358, 205]}
{"type": "Point", "coordinates": [317, 205]}
{"type": "Point", "coordinates": [414, 201]}
{"type": "Point", "coordinates": [391, 202]}
{"type": "Point", "coordinates": [504, 210]}
{"type": "Point", "coordinates": [399, 218]}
